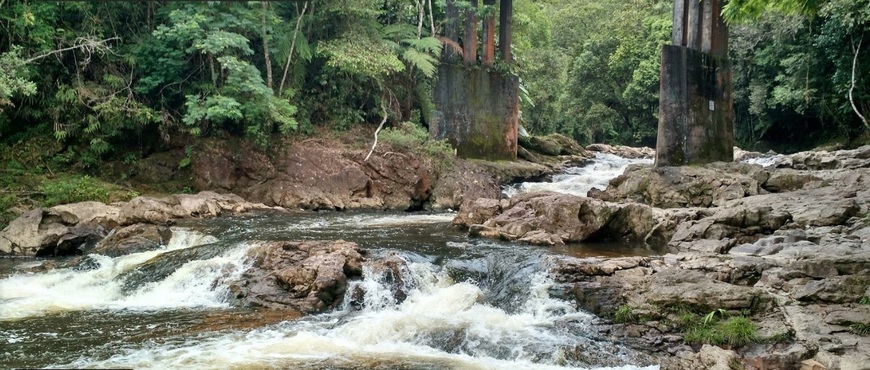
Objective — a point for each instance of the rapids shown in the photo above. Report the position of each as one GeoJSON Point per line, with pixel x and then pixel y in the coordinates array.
{"type": "Point", "coordinates": [471, 303]}
{"type": "Point", "coordinates": [579, 180]}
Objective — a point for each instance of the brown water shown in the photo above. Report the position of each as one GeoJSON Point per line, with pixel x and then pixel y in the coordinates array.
{"type": "Point", "coordinates": [474, 303]}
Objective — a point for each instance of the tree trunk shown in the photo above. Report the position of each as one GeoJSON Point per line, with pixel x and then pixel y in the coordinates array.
{"type": "Point", "coordinates": [268, 60]}
{"type": "Point", "coordinates": [505, 35]}
{"type": "Point", "coordinates": [489, 34]}
{"type": "Point", "coordinates": [469, 42]}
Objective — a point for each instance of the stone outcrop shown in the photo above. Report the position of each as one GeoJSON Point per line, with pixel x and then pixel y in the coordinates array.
{"type": "Point", "coordinates": [77, 228]}
{"type": "Point", "coordinates": [623, 151]}
{"type": "Point", "coordinates": [309, 276]}
{"type": "Point", "coordinates": [323, 175]}
{"type": "Point", "coordinates": [545, 218]}
{"type": "Point", "coordinates": [688, 186]}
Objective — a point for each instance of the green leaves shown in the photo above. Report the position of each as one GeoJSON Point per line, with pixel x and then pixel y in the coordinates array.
{"type": "Point", "coordinates": [13, 79]}
{"type": "Point", "coordinates": [356, 54]}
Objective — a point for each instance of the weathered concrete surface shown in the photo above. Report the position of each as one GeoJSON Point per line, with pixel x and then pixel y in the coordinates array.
{"type": "Point", "coordinates": [477, 112]}
{"type": "Point", "coordinates": [695, 109]}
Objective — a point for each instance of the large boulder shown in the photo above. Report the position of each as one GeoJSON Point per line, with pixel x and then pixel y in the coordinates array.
{"type": "Point", "coordinates": [315, 176]}
{"type": "Point", "coordinates": [547, 218]}
{"type": "Point", "coordinates": [47, 232]}
{"type": "Point", "coordinates": [552, 145]}
{"type": "Point", "coordinates": [464, 182]}
{"type": "Point", "coordinates": [688, 186]}
{"type": "Point", "coordinates": [309, 276]}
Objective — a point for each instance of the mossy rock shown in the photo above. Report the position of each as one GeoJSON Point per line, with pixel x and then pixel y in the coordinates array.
{"type": "Point", "coordinates": [552, 145]}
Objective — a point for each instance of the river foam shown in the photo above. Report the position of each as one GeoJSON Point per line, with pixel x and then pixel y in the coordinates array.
{"type": "Point", "coordinates": [441, 325]}
{"type": "Point", "coordinates": [67, 289]}
{"type": "Point", "coordinates": [579, 180]}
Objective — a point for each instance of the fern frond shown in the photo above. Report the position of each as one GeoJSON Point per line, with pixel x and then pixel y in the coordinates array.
{"type": "Point", "coordinates": [429, 45]}
{"type": "Point", "coordinates": [421, 61]}
{"type": "Point", "coordinates": [399, 31]}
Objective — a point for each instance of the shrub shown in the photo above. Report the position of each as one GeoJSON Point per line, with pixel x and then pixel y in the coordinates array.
{"type": "Point", "coordinates": [414, 138]}
{"type": "Point", "coordinates": [73, 189]}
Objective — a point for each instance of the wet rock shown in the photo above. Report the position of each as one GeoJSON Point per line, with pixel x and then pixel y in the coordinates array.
{"type": "Point", "coordinates": [309, 276]}
{"type": "Point", "coordinates": [133, 239]}
{"type": "Point", "coordinates": [552, 145]}
{"type": "Point", "coordinates": [478, 211]}
{"type": "Point", "coordinates": [548, 218]}
{"type": "Point", "coordinates": [47, 232]}
{"type": "Point", "coordinates": [76, 228]}
{"type": "Point", "coordinates": [623, 151]}
{"type": "Point", "coordinates": [391, 271]}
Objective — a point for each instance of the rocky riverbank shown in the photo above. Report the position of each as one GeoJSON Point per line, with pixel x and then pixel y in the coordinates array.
{"type": "Point", "coordinates": [771, 264]}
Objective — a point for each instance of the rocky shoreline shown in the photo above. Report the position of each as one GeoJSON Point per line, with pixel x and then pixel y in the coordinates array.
{"type": "Point", "coordinates": [784, 247]}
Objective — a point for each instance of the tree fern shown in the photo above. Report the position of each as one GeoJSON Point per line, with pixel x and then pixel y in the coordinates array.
{"type": "Point", "coordinates": [421, 61]}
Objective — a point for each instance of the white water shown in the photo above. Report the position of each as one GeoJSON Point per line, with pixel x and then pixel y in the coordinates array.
{"type": "Point", "coordinates": [766, 160]}
{"type": "Point", "coordinates": [579, 180]}
{"type": "Point", "coordinates": [24, 295]}
{"type": "Point", "coordinates": [385, 333]}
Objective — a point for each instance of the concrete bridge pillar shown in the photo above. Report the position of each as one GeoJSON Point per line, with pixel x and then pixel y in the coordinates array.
{"type": "Point", "coordinates": [695, 103]}
{"type": "Point", "coordinates": [477, 106]}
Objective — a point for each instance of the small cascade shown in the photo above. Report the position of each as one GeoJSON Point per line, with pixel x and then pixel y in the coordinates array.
{"type": "Point", "coordinates": [441, 324]}
{"type": "Point", "coordinates": [429, 298]}
{"type": "Point", "coordinates": [579, 180]}
{"type": "Point", "coordinates": [101, 287]}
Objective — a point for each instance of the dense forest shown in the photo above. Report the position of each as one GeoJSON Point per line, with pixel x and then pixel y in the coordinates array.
{"type": "Point", "coordinates": [122, 79]}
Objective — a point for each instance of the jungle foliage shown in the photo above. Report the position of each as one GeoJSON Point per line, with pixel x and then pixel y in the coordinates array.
{"type": "Point", "coordinates": [593, 72]}
{"type": "Point", "coordinates": [107, 79]}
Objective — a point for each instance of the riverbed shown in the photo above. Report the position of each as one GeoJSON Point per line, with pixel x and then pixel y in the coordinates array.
{"type": "Point", "coordinates": [471, 303]}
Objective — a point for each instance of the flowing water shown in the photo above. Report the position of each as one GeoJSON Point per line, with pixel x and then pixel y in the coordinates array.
{"type": "Point", "coordinates": [471, 304]}
{"type": "Point", "coordinates": [579, 180]}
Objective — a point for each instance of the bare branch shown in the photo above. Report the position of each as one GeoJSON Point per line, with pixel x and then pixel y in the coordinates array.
{"type": "Point", "coordinates": [431, 20]}
{"type": "Point", "coordinates": [852, 88]}
{"type": "Point", "coordinates": [86, 44]}
{"type": "Point", "coordinates": [384, 109]}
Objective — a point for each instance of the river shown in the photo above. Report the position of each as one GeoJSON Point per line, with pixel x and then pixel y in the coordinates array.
{"type": "Point", "coordinates": [472, 303]}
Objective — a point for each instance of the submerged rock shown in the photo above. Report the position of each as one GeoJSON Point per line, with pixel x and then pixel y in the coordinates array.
{"type": "Point", "coordinates": [308, 276]}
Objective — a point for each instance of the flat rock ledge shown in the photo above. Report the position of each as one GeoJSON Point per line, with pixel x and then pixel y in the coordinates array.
{"type": "Point", "coordinates": [808, 309]}
{"type": "Point", "coordinates": [113, 229]}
